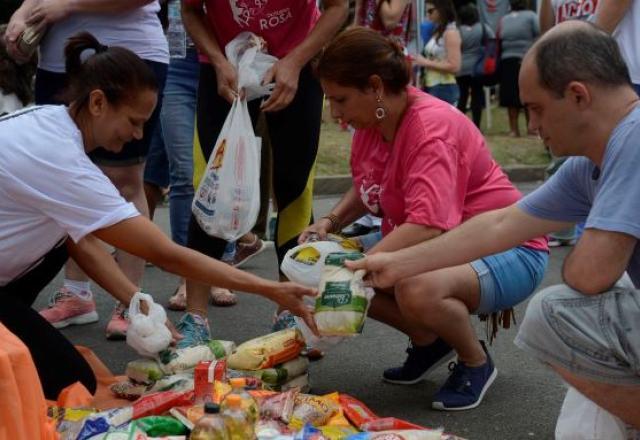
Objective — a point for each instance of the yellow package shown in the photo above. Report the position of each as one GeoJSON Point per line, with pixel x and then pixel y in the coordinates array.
{"type": "Point", "coordinates": [267, 351]}
{"type": "Point", "coordinates": [337, 432]}
{"type": "Point", "coordinates": [315, 410]}
{"type": "Point", "coordinates": [220, 391]}
{"type": "Point", "coordinates": [338, 419]}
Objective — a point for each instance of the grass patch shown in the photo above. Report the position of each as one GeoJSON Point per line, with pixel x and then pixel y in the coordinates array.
{"type": "Point", "coordinates": [335, 145]}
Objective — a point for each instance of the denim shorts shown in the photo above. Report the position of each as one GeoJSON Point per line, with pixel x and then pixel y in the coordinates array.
{"type": "Point", "coordinates": [596, 337]}
{"type": "Point", "coordinates": [508, 278]}
{"type": "Point", "coordinates": [447, 92]}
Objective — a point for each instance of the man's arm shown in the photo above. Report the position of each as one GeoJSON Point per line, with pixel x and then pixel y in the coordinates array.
{"type": "Point", "coordinates": [610, 12]}
{"type": "Point", "coordinates": [598, 260]}
{"type": "Point", "coordinates": [486, 234]}
{"type": "Point", "coordinates": [546, 17]}
{"type": "Point", "coordinates": [286, 71]}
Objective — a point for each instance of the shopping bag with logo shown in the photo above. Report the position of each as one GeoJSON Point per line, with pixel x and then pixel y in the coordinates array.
{"type": "Point", "coordinates": [227, 201]}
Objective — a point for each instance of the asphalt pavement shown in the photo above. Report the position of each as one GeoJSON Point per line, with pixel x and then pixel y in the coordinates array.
{"type": "Point", "coordinates": [523, 402]}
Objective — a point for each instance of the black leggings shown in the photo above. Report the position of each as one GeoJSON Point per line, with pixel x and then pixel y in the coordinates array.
{"type": "Point", "coordinates": [465, 83]}
{"type": "Point", "coordinates": [294, 133]}
{"type": "Point", "coordinates": [58, 363]}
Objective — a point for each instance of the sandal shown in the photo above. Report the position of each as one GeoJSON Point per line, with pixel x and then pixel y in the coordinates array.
{"type": "Point", "coordinates": [179, 299]}
{"type": "Point", "coordinates": [223, 297]}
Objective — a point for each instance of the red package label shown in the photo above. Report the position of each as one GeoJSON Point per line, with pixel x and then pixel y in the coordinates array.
{"type": "Point", "coordinates": [357, 412]}
{"type": "Point", "coordinates": [204, 375]}
{"type": "Point", "coordinates": [158, 403]}
{"type": "Point", "coordinates": [388, 424]}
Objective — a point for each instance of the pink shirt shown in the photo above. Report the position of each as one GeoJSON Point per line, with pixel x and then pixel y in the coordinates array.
{"type": "Point", "coordinates": [437, 172]}
{"type": "Point", "coordinates": [282, 23]}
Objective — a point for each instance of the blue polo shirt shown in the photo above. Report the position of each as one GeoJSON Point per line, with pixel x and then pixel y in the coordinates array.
{"type": "Point", "coordinates": [607, 198]}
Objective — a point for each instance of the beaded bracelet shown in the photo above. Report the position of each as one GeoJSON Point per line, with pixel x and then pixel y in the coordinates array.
{"type": "Point", "coordinates": [335, 222]}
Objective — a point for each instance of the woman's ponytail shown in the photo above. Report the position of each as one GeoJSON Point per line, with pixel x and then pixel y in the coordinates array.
{"type": "Point", "coordinates": [117, 72]}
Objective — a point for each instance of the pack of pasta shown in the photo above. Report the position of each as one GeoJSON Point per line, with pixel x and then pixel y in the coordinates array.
{"type": "Point", "coordinates": [341, 308]}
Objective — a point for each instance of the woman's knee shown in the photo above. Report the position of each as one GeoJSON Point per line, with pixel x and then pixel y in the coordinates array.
{"type": "Point", "coordinates": [419, 296]}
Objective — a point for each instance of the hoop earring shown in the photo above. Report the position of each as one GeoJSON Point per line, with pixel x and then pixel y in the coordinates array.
{"type": "Point", "coordinates": [381, 113]}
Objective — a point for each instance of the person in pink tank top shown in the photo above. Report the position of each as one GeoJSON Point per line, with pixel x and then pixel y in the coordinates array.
{"type": "Point", "coordinates": [423, 167]}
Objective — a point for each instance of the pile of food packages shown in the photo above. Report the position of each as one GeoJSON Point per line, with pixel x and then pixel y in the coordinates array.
{"type": "Point", "coordinates": [171, 394]}
{"type": "Point", "coordinates": [259, 389]}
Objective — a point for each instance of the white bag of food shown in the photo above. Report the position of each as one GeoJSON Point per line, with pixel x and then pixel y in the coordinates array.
{"type": "Point", "coordinates": [581, 419]}
{"type": "Point", "coordinates": [147, 334]}
{"type": "Point", "coordinates": [341, 307]}
{"type": "Point", "coordinates": [227, 201]}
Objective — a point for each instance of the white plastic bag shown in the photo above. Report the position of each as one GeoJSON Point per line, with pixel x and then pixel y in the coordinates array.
{"type": "Point", "coordinates": [582, 419]}
{"type": "Point", "coordinates": [227, 201]}
{"type": "Point", "coordinates": [147, 334]}
{"type": "Point", "coordinates": [303, 264]}
{"type": "Point", "coordinates": [245, 53]}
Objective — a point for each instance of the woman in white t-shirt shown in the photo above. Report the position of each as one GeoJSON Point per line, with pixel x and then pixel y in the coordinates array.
{"type": "Point", "coordinates": [131, 24]}
{"type": "Point", "coordinates": [55, 203]}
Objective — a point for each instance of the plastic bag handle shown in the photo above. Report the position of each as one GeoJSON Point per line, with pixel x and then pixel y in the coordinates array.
{"type": "Point", "coordinates": [134, 304]}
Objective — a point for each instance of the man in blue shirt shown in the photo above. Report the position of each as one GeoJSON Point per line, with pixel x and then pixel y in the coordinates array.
{"type": "Point", "coordinates": [577, 89]}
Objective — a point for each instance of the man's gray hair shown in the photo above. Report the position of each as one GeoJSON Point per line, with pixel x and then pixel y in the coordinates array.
{"type": "Point", "coordinates": [580, 53]}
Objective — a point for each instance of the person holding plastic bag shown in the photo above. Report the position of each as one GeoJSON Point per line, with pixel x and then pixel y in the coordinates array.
{"type": "Point", "coordinates": [588, 328]}
{"type": "Point", "coordinates": [294, 32]}
{"type": "Point", "coordinates": [424, 167]}
{"type": "Point", "coordinates": [56, 203]}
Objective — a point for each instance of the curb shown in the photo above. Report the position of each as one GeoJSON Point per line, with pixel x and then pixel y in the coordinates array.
{"type": "Point", "coordinates": [330, 185]}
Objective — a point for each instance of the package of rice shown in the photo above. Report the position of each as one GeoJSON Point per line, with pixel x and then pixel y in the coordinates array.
{"type": "Point", "coordinates": [267, 351]}
{"type": "Point", "coordinates": [341, 307]}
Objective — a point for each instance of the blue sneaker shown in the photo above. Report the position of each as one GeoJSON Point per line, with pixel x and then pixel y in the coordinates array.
{"type": "Point", "coordinates": [465, 387]}
{"type": "Point", "coordinates": [282, 321]}
{"type": "Point", "coordinates": [421, 361]}
{"type": "Point", "coordinates": [194, 329]}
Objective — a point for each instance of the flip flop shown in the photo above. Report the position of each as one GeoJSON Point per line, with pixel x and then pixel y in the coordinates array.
{"type": "Point", "coordinates": [223, 297]}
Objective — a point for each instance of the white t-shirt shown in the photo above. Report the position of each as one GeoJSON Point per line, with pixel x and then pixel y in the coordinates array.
{"type": "Point", "coordinates": [138, 30]}
{"type": "Point", "coordinates": [9, 103]}
{"type": "Point", "coordinates": [48, 188]}
{"type": "Point", "coordinates": [627, 34]}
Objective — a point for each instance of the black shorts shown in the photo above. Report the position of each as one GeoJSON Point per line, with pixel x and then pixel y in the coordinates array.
{"type": "Point", "coordinates": [509, 92]}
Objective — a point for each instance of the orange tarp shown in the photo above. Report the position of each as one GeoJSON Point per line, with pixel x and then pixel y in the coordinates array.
{"type": "Point", "coordinates": [23, 409]}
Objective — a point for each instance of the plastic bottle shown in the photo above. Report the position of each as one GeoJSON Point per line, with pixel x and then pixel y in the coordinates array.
{"type": "Point", "coordinates": [248, 404]}
{"type": "Point", "coordinates": [211, 426]}
{"type": "Point", "coordinates": [236, 419]}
